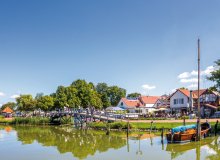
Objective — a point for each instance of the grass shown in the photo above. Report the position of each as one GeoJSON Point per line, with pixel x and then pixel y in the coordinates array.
{"type": "Point", "coordinates": [137, 125]}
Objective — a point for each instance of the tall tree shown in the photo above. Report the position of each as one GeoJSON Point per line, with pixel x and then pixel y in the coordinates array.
{"type": "Point", "coordinates": [102, 89]}
{"type": "Point", "coordinates": [11, 105]}
{"type": "Point", "coordinates": [215, 75]}
{"type": "Point", "coordinates": [72, 100]}
{"type": "Point", "coordinates": [87, 94]}
{"type": "Point", "coordinates": [60, 97]}
{"type": "Point", "coordinates": [45, 103]}
{"type": "Point", "coordinates": [133, 95]}
{"type": "Point", "coordinates": [115, 94]}
{"type": "Point", "coordinates": [25, 103]}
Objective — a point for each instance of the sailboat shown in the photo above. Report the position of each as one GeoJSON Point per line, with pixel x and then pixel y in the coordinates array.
{"type": "Point", "coordinates": [190, 132]}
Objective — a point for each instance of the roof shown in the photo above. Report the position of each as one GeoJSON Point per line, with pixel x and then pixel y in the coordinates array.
{"type": "Point", "coordinates": [149, 99]}
{"type": "Point", "coordinates": [201, 91]}
{"type": "Point", "coordinates": [7, 110]}
{"type": "Point", "coordinates": [186, 92]}
{"type": "Point", "coordinates": [132, 103]}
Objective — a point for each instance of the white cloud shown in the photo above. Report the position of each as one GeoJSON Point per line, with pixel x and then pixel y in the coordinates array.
{"type": "Point", "coordinates": [192, 86]}
{"type": "Point", "coordinates": [14, 96]}
{"type": "Point", "coordinates": [1, 104]}
{"type": "Point", "coordinates": [208, 70]}
{"type": "Point", "coordinates": [2, 94]}
{"type": "Point", "coordinates": [190, 77]}
{"type": "Point", "coordinates": [189, 80]}
{"type": "Point", "coordinates": [184, 75]}
{"type": "Point", "coordinates": [148, 87]}
{"type": "Point", "coordinates": [173, 90]}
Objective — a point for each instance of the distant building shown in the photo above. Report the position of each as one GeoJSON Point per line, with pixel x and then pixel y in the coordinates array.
{"type": "Point", "coordinates": [142, 104]}
{"type": "Point", "coordinates": [183, 100]}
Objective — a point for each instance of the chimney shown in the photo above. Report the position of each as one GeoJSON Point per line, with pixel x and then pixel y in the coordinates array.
{"type": "Point", "coordinates": [191, 101]}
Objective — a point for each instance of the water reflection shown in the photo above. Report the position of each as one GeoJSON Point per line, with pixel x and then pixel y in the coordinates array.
{"type": "Point", "coordinates": [80, 143]}
{"type": "Point", "coordinates": [90, 144]}
{"type": "Point", "coordinates": [209, 145]}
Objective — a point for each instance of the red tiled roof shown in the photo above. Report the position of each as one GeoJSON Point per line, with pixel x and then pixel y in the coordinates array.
{"type": "Point", "coordinates": [201, 91]}
{"type": "Point", "coordinates": [149, 99]}
{"type": "Point", "coordinates": [187, 92]}
{"type": "Point", "coordinates": [132, 103]}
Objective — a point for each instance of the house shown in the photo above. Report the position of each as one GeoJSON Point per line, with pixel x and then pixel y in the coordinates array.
{"type": "Point", "coordinates": [142, 104]}
{"type": "Point", "coordinates": [7, 112]}
{"type": "Point", "coordinates": [149, 103]}
{"type": "Point", "coordinates": [130, 104]}
{"type": "Point", "coordinates": [183, 101]}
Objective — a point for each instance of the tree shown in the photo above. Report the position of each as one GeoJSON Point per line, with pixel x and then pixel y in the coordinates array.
{"type": "Point", "coordinates": [45, 103]}
{"type": "Point", "coordinates": [72, 100]}
{"type": "Point", "coordinates": [25, 103]}
{"type": "Point", "coordinates": [11, 105]}
{"type": "Point", "coordinates": [87, 94]}
{"type": "Point", "coordinates": [215, 75]}
{"type": "Point", "coordinates": [102, 89]}
{"type": "Point", "coordinates": [38, 95]}
{"type": "Point", "coordinates": [133, 95]}
{"type": "Point", "coordinates": [115, 94]}
{"type": "Point", "coordinates": [60, 97]}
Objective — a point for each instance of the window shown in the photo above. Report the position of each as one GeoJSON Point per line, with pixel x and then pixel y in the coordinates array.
{"type": "Point", "coordinates": [121, 103]}
{"type": "Point", "coordinates": [181, 101]}
{"type": "Point", "coordinates": [175, 101]}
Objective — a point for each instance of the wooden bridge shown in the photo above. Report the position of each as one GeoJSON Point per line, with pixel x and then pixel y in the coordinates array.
{"type": "Point", "coordinates": [82, 117]}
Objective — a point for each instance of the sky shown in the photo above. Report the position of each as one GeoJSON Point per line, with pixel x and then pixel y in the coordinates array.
{"type": "Point", "coordinates": [146, 46]}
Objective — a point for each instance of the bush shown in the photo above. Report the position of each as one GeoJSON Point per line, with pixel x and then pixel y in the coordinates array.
{"type": "Point", "coordinates": [31, 121]}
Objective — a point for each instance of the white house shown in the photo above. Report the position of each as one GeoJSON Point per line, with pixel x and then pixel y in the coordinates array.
{"type": "Point", "coordinates": [181, 100]}
{"type": "Point", "coordinates": [130, 104]}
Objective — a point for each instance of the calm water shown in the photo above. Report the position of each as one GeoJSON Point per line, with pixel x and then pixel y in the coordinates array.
{"type": "Point", "coordinates": [65, 143]}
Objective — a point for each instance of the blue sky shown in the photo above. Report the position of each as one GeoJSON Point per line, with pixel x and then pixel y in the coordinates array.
{"type": "Point", "coordinates": [142, 46]}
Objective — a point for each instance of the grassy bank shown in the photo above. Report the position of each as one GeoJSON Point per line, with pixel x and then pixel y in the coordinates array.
{"type": "Point", "coordinates": [31, 121]}
{"type": "Point", "coordinates": [137, 125]}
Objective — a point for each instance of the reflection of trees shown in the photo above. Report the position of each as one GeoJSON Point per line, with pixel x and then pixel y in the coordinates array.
{"type": "Point", "coordinates": [80, 143]}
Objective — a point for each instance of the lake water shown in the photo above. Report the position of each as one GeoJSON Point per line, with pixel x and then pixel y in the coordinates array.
{"type": "Point", "coordinates": [67, 143]}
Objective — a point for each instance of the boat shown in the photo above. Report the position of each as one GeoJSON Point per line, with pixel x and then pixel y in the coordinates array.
{"type": "Point", "coordinates": [187, 133]}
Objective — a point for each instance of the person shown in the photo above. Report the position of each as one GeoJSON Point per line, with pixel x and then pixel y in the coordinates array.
{"type": "Point", "coordinates": [216, 127]}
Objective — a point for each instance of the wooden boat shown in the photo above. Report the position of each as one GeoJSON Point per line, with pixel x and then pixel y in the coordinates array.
{"type": "Point", "coordinates": [187, 134]}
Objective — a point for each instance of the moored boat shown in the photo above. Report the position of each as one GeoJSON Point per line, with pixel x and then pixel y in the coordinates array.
{"type": "Point", "coordinates": [187, 133]}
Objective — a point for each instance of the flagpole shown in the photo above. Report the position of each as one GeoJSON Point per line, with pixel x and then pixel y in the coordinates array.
{"type": "Point", "coordinates": [199, 112]}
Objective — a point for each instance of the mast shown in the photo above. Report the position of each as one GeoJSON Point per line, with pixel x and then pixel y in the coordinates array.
{"type": "Point", "coordinates": [199, 112]}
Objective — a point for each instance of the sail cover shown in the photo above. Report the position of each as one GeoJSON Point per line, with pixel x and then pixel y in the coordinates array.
{"type": "Point", "coordinates": [183, 128]}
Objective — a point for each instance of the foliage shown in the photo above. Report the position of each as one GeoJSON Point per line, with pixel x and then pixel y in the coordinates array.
{"type": "Point", "coordinates": [215, 75]}
{"type": "Point", "coordinates": [102, 89]}
{"type": "Point", "coordinates": [45, 103]}
{"type": "Point", "coordinates": [115, 94]}
{"type": "Point", "coordinates": [133, 95]}
{"type": "Point", "coordinates": [30, 121]}
{"type": "Point", "coordinates": [11, 105]}
{"type": "Point", "coordinates": [25, 103]}
{"type": "Point", "coordinates": [87, 94]}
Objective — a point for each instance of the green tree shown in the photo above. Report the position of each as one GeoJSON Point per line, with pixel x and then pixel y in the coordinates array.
{"type": "Point", "coordinates": [72, 100]}
{"type": "Point", "coordinates": [45, 103]}
{"type": "Point", "coordinates": [102, 89]}
{"type": "Point", "coordinates": [133, 95]}
{"type": "Point", "coordinates": [215, 75]}
{"type": "Point", "coordinates": [87, 94]}
{"type": "Point", "coordinates": [11, 105]}
{"type": "Point", "coordinates": [60, 97]}
{"type": "Point", "coordinates": [26, 103]}
{"type": "Point", "coordinates": [115, 94]}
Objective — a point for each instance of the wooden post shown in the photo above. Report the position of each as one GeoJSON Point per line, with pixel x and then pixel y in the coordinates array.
{"type": "Point", "coordinates": [162, 132]}
{"type": "Point", "coordinates": [128, 127]}
{"type": "Point", "coordinates": [184, 120]}
{"type": "Point", "coordinates": [151, 125]}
